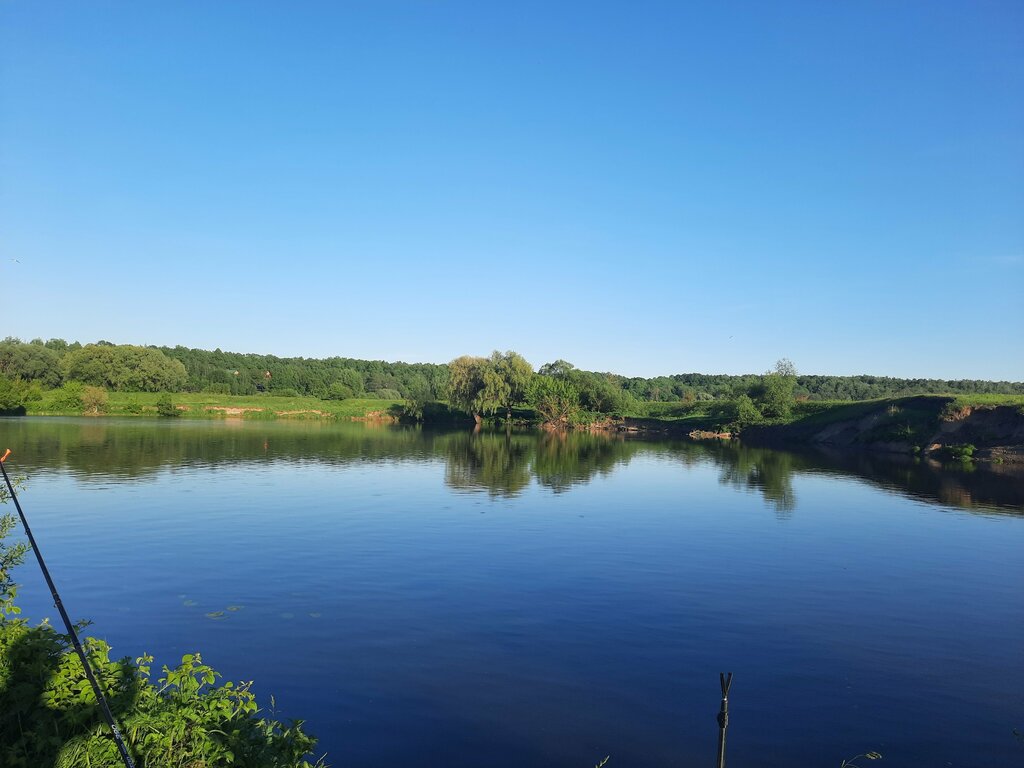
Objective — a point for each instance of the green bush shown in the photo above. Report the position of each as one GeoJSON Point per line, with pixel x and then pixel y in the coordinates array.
{"type": "Point", "coordinates": [964, 452]}
{"type": "Point", "coordinates": [166, 407]}
{"type": "Point", "coordinates": [94, 400]}
{"type": "Point", "coordinates": [184, 719]}
{"type": "Point", "coordinates": [13, 397]}
{"type": "Point", "coordinates": [338, 391]}
{"type": "Point", "coordinates": [746, 412]}
{"type": "Point", "coordinates": [67, 397]}
{"type": "Point", "coordinates": [132, 406]}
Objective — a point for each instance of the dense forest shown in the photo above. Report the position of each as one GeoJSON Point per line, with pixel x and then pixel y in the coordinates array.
{"type": "Point", "coordinates": [180, 369]}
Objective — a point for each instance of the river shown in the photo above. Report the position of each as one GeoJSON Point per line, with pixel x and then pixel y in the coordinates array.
{"type": "Point", "coordinates": [524, 599]}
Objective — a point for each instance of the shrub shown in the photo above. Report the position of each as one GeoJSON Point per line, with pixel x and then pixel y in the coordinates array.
{"type": "Point", "coordinates": [746, 411]}
{"type": "Point", "coordinates": [12, 397]}
{"type": "Point", "coordinates": [338, 391]}
{"type": "Point", "coordinates": [133, 406]}
{"type": "Point", "coordinates": [964, 452]}
{"type": "Point", "coordinates": [67, 397]}
{"type": "Point", "coordinates": [165, 407]}
{"type": "Point", "coordinates": [94, 400]}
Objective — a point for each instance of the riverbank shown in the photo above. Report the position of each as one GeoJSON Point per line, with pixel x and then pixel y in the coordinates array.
{"type": "Point", "coordinates": [204, 405]}
{"type": "Point", "coordinates": [986, 427]}
{"type": "Point", "coordinates": [980, 427]}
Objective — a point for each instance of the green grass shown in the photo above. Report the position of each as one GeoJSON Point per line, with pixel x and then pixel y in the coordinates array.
{"type": "Point", "coordinates": [203, 405]}
{"type": "Point", "coordinates": [963, 401]}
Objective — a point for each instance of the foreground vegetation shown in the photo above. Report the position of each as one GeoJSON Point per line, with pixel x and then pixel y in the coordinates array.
{"type": "Point", "coordinates": [49, 715]}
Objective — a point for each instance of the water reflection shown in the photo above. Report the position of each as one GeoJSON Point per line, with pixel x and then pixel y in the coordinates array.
{"type": "Point", "coordinates": [501, 464]}
{"type": "Point", "coordinates": [759, 469]}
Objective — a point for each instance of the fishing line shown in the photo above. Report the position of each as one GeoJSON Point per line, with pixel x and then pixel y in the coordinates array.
{"type": "Point", "coordinates": [100, 698]}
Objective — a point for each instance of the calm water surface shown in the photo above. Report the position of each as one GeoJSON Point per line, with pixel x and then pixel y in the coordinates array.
{"type": "Point", "coordinates": [534, 600]}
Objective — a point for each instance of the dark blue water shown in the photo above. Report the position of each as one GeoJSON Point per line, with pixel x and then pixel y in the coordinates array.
{"type": "Point", "coordinates": [529, 600]}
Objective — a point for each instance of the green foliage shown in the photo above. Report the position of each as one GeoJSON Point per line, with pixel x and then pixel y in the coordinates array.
{"type": "Point", "coordinates": [746, 412]}
{"type": "Point", "coordinates": [15, 395]}
{"type": "Point", "coordinates": [776, 394]}
{"type": "Point", "coordinates": [121, 368]}
{"type": "Point", "coordinates": [68, 397]}
{"type": "Point", "coordinates": [30, 362]}
{"type": "Point", "coordinates": [94, 400]}
{"type": "Point", "coordinates": [132, 406]}
{"type": "Point", "coordinates": [466, 383]}
{"type": "Point", "coordinates": [961, 452]}
{"type": "Point", "coordinates": [339, 391]}
{"type": "Point", "coordinates": [555, 399]}
{"type": "Point", "coordinates": [166, 407]}
{"type": "Point", "coordinates": [481, 385]}
{"type": "Point", "coordinates": [599, 393]}
{"type": "Point", "coordinates": [513, 374]}
{"type": "Point", "coordinates": [125, 368]}
{"type": "Point", "coordinates": [418, 396]}
{"type": "Point", "coordinates": [183, 720]}
{"type": "Point", "coordinates": [10, 556]}
{"type": "Point", "coordinates": [347, 381]}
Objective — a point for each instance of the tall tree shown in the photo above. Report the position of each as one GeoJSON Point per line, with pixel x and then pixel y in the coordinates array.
{"type": "Point", "coordinates": [466, 383]}
{"type": "Point", "coordinates": [511, 375]}
{"type": "Point", "coordinates": [777, 389]}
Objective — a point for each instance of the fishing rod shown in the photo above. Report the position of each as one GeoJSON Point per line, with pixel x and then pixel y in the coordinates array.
{"type": "Point", "coordinates": [100, 698]}
{"type": "Point", "coordinates": [725, 680]}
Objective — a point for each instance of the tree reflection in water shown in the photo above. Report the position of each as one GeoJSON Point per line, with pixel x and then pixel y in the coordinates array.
{"type": "Point", "coordinates": [501, 464]}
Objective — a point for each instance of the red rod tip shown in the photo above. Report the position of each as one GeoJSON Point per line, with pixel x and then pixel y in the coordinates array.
{"type": "Point", "coordinates": [4, 457]}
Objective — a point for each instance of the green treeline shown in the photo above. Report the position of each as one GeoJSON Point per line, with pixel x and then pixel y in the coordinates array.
{"type": "Point", "coordinates": [558, 392]}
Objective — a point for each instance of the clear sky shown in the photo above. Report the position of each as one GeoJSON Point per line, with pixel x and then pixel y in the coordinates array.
{"type": "Point", "coordinates": [642, 187]}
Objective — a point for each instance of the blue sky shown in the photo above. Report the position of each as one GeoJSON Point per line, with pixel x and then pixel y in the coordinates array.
{"type": "Point", "coordinates": [647, 188]}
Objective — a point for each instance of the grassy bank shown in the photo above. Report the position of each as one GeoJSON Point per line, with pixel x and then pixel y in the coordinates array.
{"type": "Point", "coordinates": [202, 405]}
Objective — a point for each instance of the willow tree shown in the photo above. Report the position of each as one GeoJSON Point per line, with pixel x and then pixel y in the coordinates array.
{"type": "Point", "coordinates": [466, 383]}
{"type": "Point", "coordinates": [482, 385]}
{"type": "Point", "coordinates": [512, 375]}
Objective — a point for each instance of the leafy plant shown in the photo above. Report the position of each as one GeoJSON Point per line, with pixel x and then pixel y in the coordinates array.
{"type": "Point", "coordinates": [94, 400]}
{"type": "Point", "coordinates": [961, 452]}
{"type": "Point", "coordinates": [67, 397]}
{"type": "Point", "coordinates": [166, 407]}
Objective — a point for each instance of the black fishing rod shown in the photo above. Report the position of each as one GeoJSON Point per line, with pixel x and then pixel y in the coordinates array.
{"type": "Point", "coordinates": [100, 698]}
{"type": "Point", "coordinates": [723, 715]}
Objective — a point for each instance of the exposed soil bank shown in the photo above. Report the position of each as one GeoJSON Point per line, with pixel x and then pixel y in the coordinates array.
{"type": "Point", "coordinates": [926, 425]}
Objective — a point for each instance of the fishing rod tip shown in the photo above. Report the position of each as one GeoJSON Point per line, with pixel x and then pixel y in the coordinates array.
{"type": "Point", "coordinates": [4, 457]}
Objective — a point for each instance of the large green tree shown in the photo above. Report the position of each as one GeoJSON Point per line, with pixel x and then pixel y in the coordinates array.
{"type": "Point", "coordinates": [555, 399]}
{"type": "Point", "coordinates": [511, 374]}
{"type": "Point", "coordinates": [776, 397]}
{"type": "Point", "coordinates": [125, 368]}
{"type": "Point", "coordinates": [466, 384]}
{"type": "Point", "coordinates": [30, 362]}
{"type": "Point", "coordinates": [485, 385]}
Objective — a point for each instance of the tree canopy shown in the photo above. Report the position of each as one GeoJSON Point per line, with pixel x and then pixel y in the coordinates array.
{"type": "Point", "coordinates": [55, 361]}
